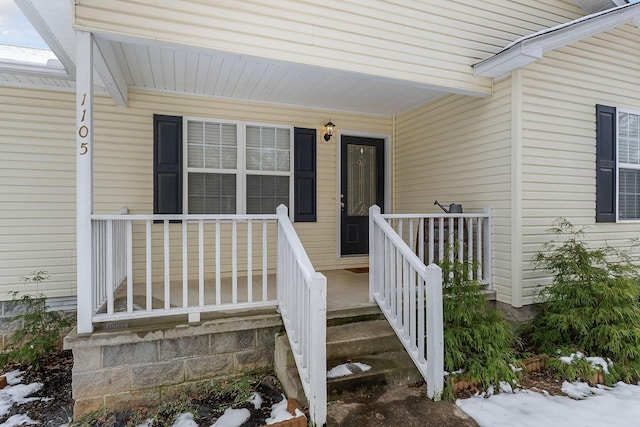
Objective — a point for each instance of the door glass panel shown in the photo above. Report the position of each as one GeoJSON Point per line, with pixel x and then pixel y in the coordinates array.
{"type": "Point", "coordinates": [361, 179]}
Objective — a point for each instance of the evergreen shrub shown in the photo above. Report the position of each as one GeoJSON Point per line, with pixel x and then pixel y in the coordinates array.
{"type": "Point", "coordinates": [477, 340]}
{"type": "Point", "coordinates": [591, 306]}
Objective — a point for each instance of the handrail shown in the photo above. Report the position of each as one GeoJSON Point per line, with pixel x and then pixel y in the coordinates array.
{"type": "Point", "coordinates": [184, 217]}
{"type": "Point", "coordinates": [302, 301]}
{"type": "Point", "coordinates": [410, 296]}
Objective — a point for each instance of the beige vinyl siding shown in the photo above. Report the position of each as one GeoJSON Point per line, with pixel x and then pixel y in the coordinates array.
{"type": "Point", "coordinates": [457, 149]}
{"type": "Point", "coordinates": [427, 41]}
{"type": "Point", "coordinates": [37, 190]}
{"type": "Point", "coordinates": [559, 97]}
{"type": "Point", "coordinates": [37, 213]}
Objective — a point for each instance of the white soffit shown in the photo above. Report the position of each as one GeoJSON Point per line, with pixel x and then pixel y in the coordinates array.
{"type": "Point", "coordinates": [530, 48]}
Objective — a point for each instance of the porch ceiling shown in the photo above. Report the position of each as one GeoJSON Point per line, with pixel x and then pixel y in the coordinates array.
{"type": "Point", "coordinates": [211, 73]}
{"type": "Point", "coordinates": [126, 63]}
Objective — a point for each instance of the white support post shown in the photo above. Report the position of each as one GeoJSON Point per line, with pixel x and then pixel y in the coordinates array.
{"type": "Point", "coordinates": [84, 179]}
{"type": "Point", "coordinates": [435, 332]}
{"type": "Point", "coordinates": [318, 351]}
{"type": "Point", "coordinates": [373, 211]}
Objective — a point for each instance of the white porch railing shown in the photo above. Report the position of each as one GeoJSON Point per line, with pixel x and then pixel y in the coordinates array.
{"type": "Point", "coordinates": [410, 296]}
{"type": "Point", "coordinates": [162, 265]}
{"type": "Point", "coordinates": [158, 265]}
{"type": "Point", "coordinates": [302, 301]}
{"type": "Point", "coordinates": [464, 236]}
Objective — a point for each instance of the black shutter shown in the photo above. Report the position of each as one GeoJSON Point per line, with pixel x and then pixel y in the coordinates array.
{"type": "Point", "coordinates": [167, 164]}
{"type": "Point", "coordinates": [606, 121]}
{"type": "Point", "coordinates": [304, 175]}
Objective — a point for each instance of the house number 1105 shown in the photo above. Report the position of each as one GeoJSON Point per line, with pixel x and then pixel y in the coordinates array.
{"type": "Point", "coordinates": [83, 130]}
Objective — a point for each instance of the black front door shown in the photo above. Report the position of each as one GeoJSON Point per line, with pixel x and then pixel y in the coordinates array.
{"type": "Point", "coordinates": [362, 185]}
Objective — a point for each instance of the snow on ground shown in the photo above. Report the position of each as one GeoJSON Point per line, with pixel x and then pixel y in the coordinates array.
{"type": "Point", "coordinates": [599, 406]}
{"type": "Point", "coordinates": [15, 393]}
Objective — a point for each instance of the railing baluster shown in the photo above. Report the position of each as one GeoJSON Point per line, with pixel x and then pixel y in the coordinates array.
{"type": "Point", "coordinates": [185, 265]}
{"type": "Point", "coordinates": [479, 248]}
{"type": "Point", "coordinates": [201, 262]}
{"type": "Point", "coordinates": [218, 285]}
{"type": "Point", "coordinates": [109, 273]}
{"type": "Point", "coordinates": [249, 262]}
{"type": "Point", "coordinates": [412, 241]}
{"type": "Point", "coordinates": [148, 269]}
{"type": "Point", "coordinates": [432, 240]}
{"type": "Point", "coordinates": [421, 239]}
{"type": "Point", "coordinates": [405, 296]}
{"type": "Point", "coordinates": [460, 239]}
{"type": "Point", "coordinates": [451, 242]}
{"type": "Point", "coordinates": [129, 256]}
{"type": "Point", "coordinates": [421, 321]}
{"type": "Point", "coordinates": [487, 247]}
{"type": "Point", "coordinates": [264, 260]}
{"type": "Point", "coordinates": [167, 267]}
{"type": "Point", "coordinates": [470, 247]}
{"type": "Point", "coordinates": [234, 262]}
{"type": "Point", "coordinates": [441, 239]}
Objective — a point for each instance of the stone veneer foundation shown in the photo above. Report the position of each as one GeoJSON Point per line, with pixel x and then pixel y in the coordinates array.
{"type": "Point", "coordinates": [129, 367]}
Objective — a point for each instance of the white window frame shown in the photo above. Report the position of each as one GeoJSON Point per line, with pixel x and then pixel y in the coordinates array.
{"type": "Point", "coordinates": [625, 166]}
{"type": "Point", "coordinates": [241, 170]}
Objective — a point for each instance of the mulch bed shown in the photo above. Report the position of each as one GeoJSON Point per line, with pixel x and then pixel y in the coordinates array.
{"type": "Point", "coordinates": [57, 408]}
{"type": "Point", "coordinates": [55, 375]}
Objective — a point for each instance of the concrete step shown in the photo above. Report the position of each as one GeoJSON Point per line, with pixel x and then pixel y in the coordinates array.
{"type": "Point", "coordinates": [388, 368]}
{"type": "Point", "coordinates": [372, 342]}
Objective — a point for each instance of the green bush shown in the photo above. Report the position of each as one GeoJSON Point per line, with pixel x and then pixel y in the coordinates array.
{"type": "Point", "coordinates": [476, 338]}
{"type": "Point", "coordinates": [591, 305]}
{"type": "Point", "coordinates": [39, 329]}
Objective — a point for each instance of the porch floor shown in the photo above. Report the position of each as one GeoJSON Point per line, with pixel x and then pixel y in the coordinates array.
{"type": "Point", "coordinates": [347, 292]}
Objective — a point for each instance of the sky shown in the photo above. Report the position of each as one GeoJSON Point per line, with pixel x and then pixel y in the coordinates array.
{"type": "Point", "coordinates": [15, 29]}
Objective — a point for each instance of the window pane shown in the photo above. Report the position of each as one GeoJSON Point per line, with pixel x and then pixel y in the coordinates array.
{"type": "Point", "coordinates": [283, 139]}
{"type": "Point", "coordinates": [629, 194]}
{"type": "Point", "coordinates": [268, 149]}
{"type": "Point", "coordinates": [211, 193]}
{"type": "Point", "coordinates": [253, 136]}
{"type": "Point", "coordinates": [195, 136]}
{"type": "Point", "coordinates": [629, 138]}
{"type": "Point", "coordinates": [266, 192]}
{"type": "Point", "coordinates": [212, 145]}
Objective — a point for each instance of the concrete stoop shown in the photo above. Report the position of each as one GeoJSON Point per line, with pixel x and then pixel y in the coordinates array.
{"type": "Point", "coordinates": [371, 342]}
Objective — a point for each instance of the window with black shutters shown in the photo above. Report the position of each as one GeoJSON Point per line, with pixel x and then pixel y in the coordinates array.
{"type": "Point", "coordinates": [617, 164]}
{"type": "Point", "coordinates": [233, 167]}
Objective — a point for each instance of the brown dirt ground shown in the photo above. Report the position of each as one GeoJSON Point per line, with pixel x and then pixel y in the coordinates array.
{"type": "Point", "coordinates": [385, 406]}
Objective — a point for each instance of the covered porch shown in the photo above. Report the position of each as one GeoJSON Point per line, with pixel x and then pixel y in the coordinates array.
{"type": "Point", "coordinates": [186, 268]}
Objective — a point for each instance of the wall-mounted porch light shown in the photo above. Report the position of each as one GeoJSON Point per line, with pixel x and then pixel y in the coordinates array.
{"type": "Point", "coordinates": [328, 130]}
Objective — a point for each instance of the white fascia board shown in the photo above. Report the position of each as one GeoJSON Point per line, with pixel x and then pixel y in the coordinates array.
{"type": "Point", "coordinates": [32, 14]}
{"type": "Point", "coordinates": [530, 48]}
{"type": "Point", "coordinates": [107, 66]}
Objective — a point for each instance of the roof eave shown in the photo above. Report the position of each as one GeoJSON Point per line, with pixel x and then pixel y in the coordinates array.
{"type": "Point", "coordinates": [530, 48]}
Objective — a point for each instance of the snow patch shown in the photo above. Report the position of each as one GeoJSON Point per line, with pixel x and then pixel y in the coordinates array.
{"type": "Point", "coordinates": [19, 420]}
{"type": "Point", "coordinates": [256, 400]}
{"type": "Point", "coordinates": [185, 420]}
{"type": "Point", "coordinates": [601, 406]}
{"type": "Point", "coordinates": [16, 393]}
{"type": "Point", "coordinates": [232, 418]}
{"type": "Point", "coordinates": [279, 413]}
{"type": "Point", "coordinates": [596, 362]}
{"type": "Point", "coordinates": [347, 369]}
